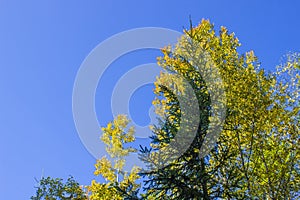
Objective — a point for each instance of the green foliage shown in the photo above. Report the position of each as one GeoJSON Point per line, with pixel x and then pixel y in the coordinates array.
{"type": "Point", "coordinates": [51, 189]}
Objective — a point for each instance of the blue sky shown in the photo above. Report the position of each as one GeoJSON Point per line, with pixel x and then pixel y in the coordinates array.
{"type": "Point", "coordinates": [43, 43]}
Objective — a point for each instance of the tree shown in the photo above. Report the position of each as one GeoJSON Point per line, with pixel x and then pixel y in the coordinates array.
{"type": "Point", "coordinates": [51, 189]}
{"type": "Point", "coordinates": [256, 153]}
{"type": "Point", "coordinates": [119, 183]}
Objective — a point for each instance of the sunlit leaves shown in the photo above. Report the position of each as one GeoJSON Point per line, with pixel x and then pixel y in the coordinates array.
{"type": "Point", "coordinates": [119, 182]}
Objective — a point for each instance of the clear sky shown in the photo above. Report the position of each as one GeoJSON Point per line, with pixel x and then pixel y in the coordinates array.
{"type": "Point", "coordinates": [43, 43]}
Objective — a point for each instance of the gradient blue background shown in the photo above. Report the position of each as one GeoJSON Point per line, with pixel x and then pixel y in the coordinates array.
{"type": "Point", "coordinates": [42, 44]}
